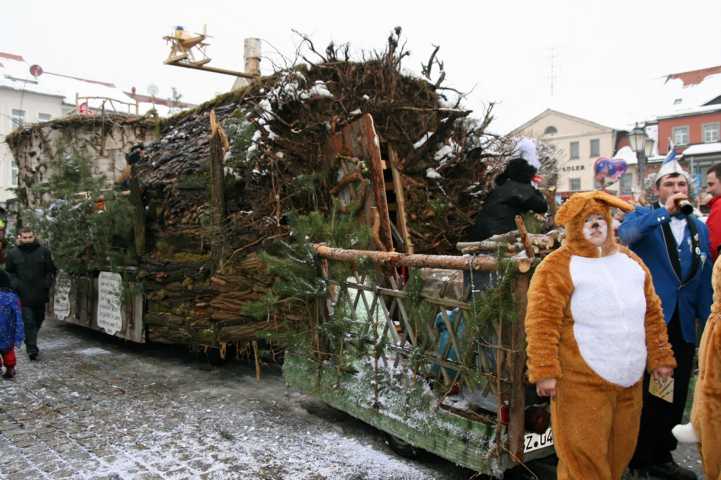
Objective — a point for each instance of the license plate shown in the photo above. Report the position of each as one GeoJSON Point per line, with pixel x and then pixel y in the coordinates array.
{"type": "Point", "coordinates": [534, 441]}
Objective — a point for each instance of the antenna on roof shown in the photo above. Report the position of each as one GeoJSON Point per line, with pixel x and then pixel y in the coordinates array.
{"type": "Point", "coordinates": [552, 73]}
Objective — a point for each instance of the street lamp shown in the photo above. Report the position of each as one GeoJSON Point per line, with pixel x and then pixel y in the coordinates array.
{"type": "Point", "coordinates": [643, 146]}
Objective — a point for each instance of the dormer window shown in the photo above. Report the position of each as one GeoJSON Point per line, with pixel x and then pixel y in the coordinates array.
{"type": "Point", "coordinates": [550, 130]}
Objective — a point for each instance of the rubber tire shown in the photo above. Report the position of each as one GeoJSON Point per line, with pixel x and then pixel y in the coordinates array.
{"type": "Point", "coordinates": [401, 447]}
{"type": "Point", "coordinates": [213, 356]}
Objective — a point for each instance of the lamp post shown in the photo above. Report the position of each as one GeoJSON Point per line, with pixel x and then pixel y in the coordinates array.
{"type": "Point", "coordinates": [643, 146]}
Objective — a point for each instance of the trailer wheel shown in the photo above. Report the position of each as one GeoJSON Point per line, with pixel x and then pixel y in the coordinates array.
{"type": "Point", "coordinates": [401, 447]}
{"type": "Point", "coordinates": [215, 358]}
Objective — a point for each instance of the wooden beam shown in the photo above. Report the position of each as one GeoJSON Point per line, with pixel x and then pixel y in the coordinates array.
{"type": "Point", "coordinates": [400, 200]}
{"type": "Point", "coordinates": [456, 262]}
{"type": "Point", "coordinates": [217, 194]}
{"type": "Point", "coordinates": [371, 144]}
{"type": "Point", "coordinates": [213, 69]}
{"type": "Point", "coordinates": [521, 225]}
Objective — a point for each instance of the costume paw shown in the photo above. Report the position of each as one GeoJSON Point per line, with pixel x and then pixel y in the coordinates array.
{"type": "Point", "coordinates": [685, 433]}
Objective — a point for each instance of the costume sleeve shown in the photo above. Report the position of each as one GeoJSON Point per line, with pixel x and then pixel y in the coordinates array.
{"type": "Point", "coordinates": [19, 325]}
{"type": "Point", "coordinates": [548, 298]}
{"type": "Point", "coordinates": [704, 294]}
{"type": "Point", "coordinates": [660, 353]}
{"type": "Point", "coordinates": [640, 223]}
{"type": "Point", "coordinates": [709, 358]}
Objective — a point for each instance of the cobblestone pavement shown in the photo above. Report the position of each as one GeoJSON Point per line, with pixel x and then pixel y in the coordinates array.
{"type": "Point", "coordinates": [94, 407]}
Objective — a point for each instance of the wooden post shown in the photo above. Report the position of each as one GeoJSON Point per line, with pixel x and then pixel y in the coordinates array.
{"type": "Point", "coordinates": [371, 144]}
{"type": "Point", "coordinates": [516, 426]}
{"type": "Point", "coordinates": [217, 196]}
{"type": "Point", "coordinates": [521, 225]}
{"type": "Point", "coordinates": [400, 200]}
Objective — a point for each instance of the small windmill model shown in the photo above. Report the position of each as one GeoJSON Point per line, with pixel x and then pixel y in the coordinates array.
{"type": "Point", "coordinates": [188, 50]}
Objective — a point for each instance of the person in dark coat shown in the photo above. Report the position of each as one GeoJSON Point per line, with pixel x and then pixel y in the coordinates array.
{"type": "Point", "coordinates": [32, 273]}
{"type": "Point", "coordinates": [513, 195]}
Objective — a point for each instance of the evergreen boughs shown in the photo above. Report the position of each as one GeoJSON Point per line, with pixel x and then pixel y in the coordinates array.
{"type": "Point", "coordinates": [86, 229]}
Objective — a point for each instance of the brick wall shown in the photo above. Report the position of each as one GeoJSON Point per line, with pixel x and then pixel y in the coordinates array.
{"type": "Point", "coordinates": [695, 124]}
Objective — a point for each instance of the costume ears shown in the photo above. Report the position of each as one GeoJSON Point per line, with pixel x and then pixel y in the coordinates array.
{"type": "Point", "coordinates": [575, 205]}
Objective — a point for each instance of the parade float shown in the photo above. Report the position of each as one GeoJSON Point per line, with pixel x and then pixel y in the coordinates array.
{"type": "Point", "coordinates": [319, 214]}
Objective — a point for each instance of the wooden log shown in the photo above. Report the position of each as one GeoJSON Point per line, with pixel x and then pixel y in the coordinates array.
{"type": "Point", "coordinates": [371, 146]}
{"type": "Point", "coordinates": [400, 200]}
{"type": "Point", "coordinates": [217, 195]}
{"type": "Point", "coordinates": [489, 246]}
{"type": "Point", "coordinates": [136, 200]}
{"type": "Point", "coordinates": [524, 236]}
{"type": "Point", "coordinates": [540, 242]}
{"type": "Point", "coordinates": [456, 262]}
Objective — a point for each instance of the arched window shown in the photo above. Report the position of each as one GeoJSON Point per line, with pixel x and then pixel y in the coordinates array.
{"type": "Point", "coordinates": [550, 130]}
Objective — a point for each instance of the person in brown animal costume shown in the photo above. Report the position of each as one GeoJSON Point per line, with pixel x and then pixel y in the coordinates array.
{"type": "Point", "coordinates": [705, 426]}
{"type": "Point", "coordinates": [593, 324]}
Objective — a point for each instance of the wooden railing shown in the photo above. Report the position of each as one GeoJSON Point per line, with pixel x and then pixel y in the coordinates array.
{"type": "Point", "coordinates": [394, 325]}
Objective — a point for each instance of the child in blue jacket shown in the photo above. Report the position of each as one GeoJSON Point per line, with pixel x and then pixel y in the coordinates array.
{"type": "Point", "coordinates": [11, 326]}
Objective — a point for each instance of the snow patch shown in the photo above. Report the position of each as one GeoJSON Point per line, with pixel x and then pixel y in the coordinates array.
{"type": "Point", "coordinates": [92, 351]}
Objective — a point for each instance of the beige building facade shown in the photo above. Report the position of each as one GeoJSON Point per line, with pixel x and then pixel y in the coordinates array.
{"type": "Point", "coordinates": [580, 143]}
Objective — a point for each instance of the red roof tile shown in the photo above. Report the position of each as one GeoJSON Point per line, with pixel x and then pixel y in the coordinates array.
{"type": "Point", "coordinates": [694, 77]}
{"type": "Point", "coordinates": [11, 56]}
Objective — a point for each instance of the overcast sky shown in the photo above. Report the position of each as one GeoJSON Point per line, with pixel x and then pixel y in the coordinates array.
{"type": "Point", "coordinates": [606, 52]}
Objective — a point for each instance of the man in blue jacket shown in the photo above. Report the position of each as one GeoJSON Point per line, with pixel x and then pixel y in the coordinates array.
{"type": "Point", "coordinates": [675, 247]}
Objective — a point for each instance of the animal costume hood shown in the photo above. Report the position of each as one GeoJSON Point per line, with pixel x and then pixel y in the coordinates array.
{"type": "Point", "coordinates": [706, 412]}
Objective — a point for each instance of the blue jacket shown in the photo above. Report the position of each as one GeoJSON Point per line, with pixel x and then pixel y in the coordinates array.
{"type": "Point", "coordinates": [642, 231]}
{"type": "Point", "coordinates": [12, 332]}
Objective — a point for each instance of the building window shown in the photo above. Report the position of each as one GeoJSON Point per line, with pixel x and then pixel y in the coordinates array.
{"type": "Point", "coordinates": [574, 184]}
{"type": "Point", "coordinates": [626, 184]}
{"type": "Point", "coordinates": [550, 130]}
{"type": "Point", "coordinates": [574, 151]}
{"type": "Point", "coordinates": [44, 117]}
{"type": "Point", "coordinates": [595, 147]}
{"type": "Point", "coordinates": [17, 117]}
{"type": "Point", "coordinates": [711, 132]}
{"type": "Point", "coordinates": [680, 135]}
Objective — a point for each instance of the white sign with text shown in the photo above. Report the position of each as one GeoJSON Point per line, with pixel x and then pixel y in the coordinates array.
{"type": "Point", "coordinates": [110, 317]}
{"type": "Point", "coordinates": [61, 296]}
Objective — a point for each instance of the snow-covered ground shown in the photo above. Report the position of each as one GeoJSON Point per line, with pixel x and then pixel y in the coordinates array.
{"type": "Point", "coordinates": [94, 408]}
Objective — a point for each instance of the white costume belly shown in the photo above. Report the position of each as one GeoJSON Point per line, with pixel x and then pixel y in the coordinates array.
{"type": "Point", "coordinates": [608, 306]}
